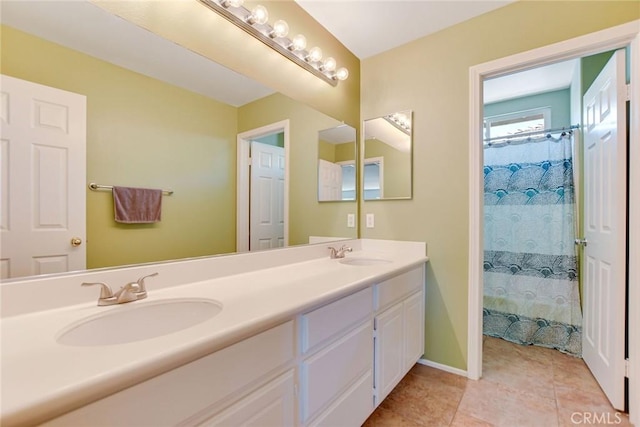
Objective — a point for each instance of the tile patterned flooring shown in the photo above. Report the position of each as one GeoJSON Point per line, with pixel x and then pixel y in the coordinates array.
{"type": "Point", "coordinates": [521, 386]}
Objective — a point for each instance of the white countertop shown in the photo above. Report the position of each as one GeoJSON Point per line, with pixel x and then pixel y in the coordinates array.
{"type": "Point", "coordinates": [42, 379]}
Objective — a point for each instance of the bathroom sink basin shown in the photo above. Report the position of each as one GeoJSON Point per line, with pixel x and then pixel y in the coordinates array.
{"type": "Point", "coordinates": [139, 321]}
{"type": "Point", "coordinates": [364, 261]}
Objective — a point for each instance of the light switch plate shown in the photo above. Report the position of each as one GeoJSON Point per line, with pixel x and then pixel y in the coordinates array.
{"type": "Point", "coordinates": [370, 220]}
{"type": "Point", "coordinates": [351, 220]}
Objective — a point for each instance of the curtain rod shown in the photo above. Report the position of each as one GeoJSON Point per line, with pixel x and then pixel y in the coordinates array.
{"type": "Point", "coordinates": [95, 187]}
{"type": "Point", "coordinates": [537, 132]}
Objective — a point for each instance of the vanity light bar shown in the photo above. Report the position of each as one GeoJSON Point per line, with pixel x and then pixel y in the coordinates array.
{"type": "Point", "coordinates": [255, 22]}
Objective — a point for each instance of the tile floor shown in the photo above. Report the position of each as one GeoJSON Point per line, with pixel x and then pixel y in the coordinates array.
{"type": "Point", "coordinates": [521, 386]}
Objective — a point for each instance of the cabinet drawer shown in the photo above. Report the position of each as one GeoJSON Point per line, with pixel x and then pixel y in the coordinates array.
{"type": "Point", "coordinates": [327, 321]}
{"type": "Point", "coordinates": [352, 407]}
{"type": "Point", "coordinates": [334, 369]}
{"type": "Point", "coordinates": [170, 398]}
{"type": "Point", "coordinates": [272, 405]}
{"type": "Point", "coordinates": [396, 288]}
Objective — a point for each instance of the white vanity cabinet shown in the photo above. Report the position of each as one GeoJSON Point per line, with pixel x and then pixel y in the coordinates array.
{"type": "Point", "coordinates": [399, 329]}
{"type": "Point", "coordinates": [328, 366]}
{"type": "Point", "coordinates": [336, 369]}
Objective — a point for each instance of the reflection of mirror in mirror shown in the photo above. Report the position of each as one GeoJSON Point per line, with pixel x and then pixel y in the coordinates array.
{"type": "Point", "coordinates": [387, 165]}
{"type": "Point", "coordinates": [337, 164]}
{"type": "Point", "coordinates": [165, 125]}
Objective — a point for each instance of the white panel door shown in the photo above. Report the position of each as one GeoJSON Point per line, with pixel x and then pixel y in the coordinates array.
{"type": "Point", "coordinates": [267, 197]}
{"type": "Point", "coordinates": [605, 228]}
{"type": "Point", "coordinates": [43, 161]}
{"type": "Point", "coordinates": [329, 181]}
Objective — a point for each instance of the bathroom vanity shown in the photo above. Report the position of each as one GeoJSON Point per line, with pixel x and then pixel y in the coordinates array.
{"type": "Point", "coordinates": [277, 338]}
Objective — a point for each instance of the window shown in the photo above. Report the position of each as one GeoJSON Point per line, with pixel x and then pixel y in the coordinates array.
{"type": "Point", "coordinates": [515, 123]}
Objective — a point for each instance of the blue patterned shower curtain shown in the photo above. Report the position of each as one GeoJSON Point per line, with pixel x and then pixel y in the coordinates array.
{"type": "Point", "coordinates": [531, 293]}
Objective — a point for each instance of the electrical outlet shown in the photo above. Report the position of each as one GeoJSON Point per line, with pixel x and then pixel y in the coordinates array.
{"type": "Point", "coordinates": [351, 220]}
{"type": "Point", "coordinates": [370, 220]}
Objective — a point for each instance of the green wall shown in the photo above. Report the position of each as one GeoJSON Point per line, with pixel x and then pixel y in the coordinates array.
{"type": "Point", "coordinates": [431, 77]}
{"type": "Point", "coordinates": [142, 133]}
{"type": "Point", "coordinates": [558, 100]}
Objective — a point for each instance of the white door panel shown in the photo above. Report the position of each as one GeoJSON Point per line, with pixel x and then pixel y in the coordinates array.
{"type": "Point", "coordinates": [267, 196]}
{"type": "Point", "coordinates": [43, 154]}
{"type": "Point", "coordinates": [605, 228]}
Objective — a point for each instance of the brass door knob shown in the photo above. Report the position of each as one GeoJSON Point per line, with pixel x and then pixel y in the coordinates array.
{"type": "Point", "coordinates": [76, 241]}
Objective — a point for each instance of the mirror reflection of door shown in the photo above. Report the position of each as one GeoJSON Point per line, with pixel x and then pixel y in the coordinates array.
{"type": "Point", "coordinates": [374, 178]}
{"type": "Point", "coordinates": [267, 192]}
{"type": "Point", "coordinates": [43, 149]}
{"type": "Point", "coordinates": [336, 164]}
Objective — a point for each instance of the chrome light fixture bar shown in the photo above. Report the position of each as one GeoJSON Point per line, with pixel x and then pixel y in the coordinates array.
{"type": "Point", "coordinates": [255, 22]}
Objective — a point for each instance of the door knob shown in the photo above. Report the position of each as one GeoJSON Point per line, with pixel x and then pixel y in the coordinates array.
{"type": "Point", "coordinates": [581, 242]}
{"type": "Point", "coordinates": [76, 241]}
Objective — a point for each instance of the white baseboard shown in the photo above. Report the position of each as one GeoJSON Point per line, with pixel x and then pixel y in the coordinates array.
{"type": "Point", "coordinates": [442, 367]}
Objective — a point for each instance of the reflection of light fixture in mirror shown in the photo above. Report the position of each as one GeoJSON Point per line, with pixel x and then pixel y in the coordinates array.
{"type": "Point", "coordinates": [401, 121]}
{"type": "Point", "coordinates": [255, 22]}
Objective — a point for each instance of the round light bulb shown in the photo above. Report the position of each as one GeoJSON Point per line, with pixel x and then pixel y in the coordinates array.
{"type": "Point", "coordinates": [280, 29]}
{"type": "Point", "coordinates": [315, 54]}
{"type": "Point", "coordinates": [233, 3]}
{"type": "Point", "coordinates": [342, 73]}
{"type": "Point", "coordinates": [259, 15]}
{"type": "Point", "coordinates": [329, 64]}
{"type": "Point", "coordinates": [299, 42]}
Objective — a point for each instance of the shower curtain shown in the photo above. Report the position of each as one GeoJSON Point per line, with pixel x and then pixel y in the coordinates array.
{"type": "Point", "coordinates": [531, 293]}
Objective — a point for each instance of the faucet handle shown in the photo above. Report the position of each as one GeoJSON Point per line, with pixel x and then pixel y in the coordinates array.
{"type": "Point", "coordinates": [142, 289]}
{"type": "Point", "coordinates": [105, 290]}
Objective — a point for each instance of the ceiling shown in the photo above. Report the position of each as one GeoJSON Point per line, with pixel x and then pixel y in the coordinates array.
{"type": "Point", "coordinates": [85, 27]}
{"type": "Point", "coordinates": [370, 27]}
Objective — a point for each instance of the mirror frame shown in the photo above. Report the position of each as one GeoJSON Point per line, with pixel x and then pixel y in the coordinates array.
{"type": "Point", "coordinates": [408, 114]}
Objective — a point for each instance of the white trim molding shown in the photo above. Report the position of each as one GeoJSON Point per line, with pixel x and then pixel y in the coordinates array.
{"type": "Point", "coordinates": [243, 180]}
{"type": "Point", "coordinates": [609, 39]}
{"type": "Point", "coordinates": [442, 367]}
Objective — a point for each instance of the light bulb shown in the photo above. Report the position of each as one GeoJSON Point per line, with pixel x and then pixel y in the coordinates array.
{"type": "Point", "coordinates": [259, 15]}
{"type": "Point", "coordinates": [233, 3]}
{"type": "Point", "coordinates": [280, 29]}
{"type": "Point", "coordinates": [298, 43]}
{"type": "Point", "coordinates": [342, 73]}
{"type": "Point", "coordinates": [329, 64]}
{"type": "Point", "coordinates": [315, 54]}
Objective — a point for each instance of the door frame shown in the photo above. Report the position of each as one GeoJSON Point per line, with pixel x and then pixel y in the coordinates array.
{"type": "Point", "coordinates": [609, 39]}
{"type": "Point", "coordinates": [244, 181]}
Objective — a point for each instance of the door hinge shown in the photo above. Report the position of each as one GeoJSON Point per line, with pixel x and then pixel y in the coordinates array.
{"type": "Point", "coordinates": [626, 368]}
{"type": "Point", "coordinates": [628, 92]}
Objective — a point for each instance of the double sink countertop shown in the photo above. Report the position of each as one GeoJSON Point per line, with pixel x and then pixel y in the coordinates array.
{"type": "Point", "coordinates": [42, 378]}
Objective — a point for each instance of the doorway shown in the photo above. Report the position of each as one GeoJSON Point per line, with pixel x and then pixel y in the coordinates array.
{"type": "Point", "coordinates": [613, 38]}
{"type": "Point", "coordinates": [279, 213]}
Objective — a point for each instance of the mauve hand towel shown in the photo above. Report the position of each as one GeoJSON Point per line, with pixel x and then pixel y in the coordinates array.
{"type": "Point", "coordinates": [137, 205]}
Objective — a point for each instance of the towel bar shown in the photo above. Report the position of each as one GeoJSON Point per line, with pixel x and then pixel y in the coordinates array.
{"type": "Point", "coordinates": [95, 187]}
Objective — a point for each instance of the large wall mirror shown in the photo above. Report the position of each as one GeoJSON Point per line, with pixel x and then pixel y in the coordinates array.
{"type": "Point", "coordinates": [337, 164]}
{"type": "Point", "coordinates": [387, 157]}
{"type": "Point", "coordinates": [171, 123]}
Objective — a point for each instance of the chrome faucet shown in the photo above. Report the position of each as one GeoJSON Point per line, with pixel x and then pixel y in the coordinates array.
{"type": "Point", "coordinates": [338, 253]}
{"type": "Point", "coordinates": [132, 291]}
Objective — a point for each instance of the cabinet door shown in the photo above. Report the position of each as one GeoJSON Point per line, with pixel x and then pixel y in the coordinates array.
{"type": "Point", "coordinates": [413, 329]}
{"type": "Point", "coordinates": [389, 346]}
{"type": "Point", "coordinates": [272, 405]}
{"type": "Point", "coordinates": [325, 375]}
